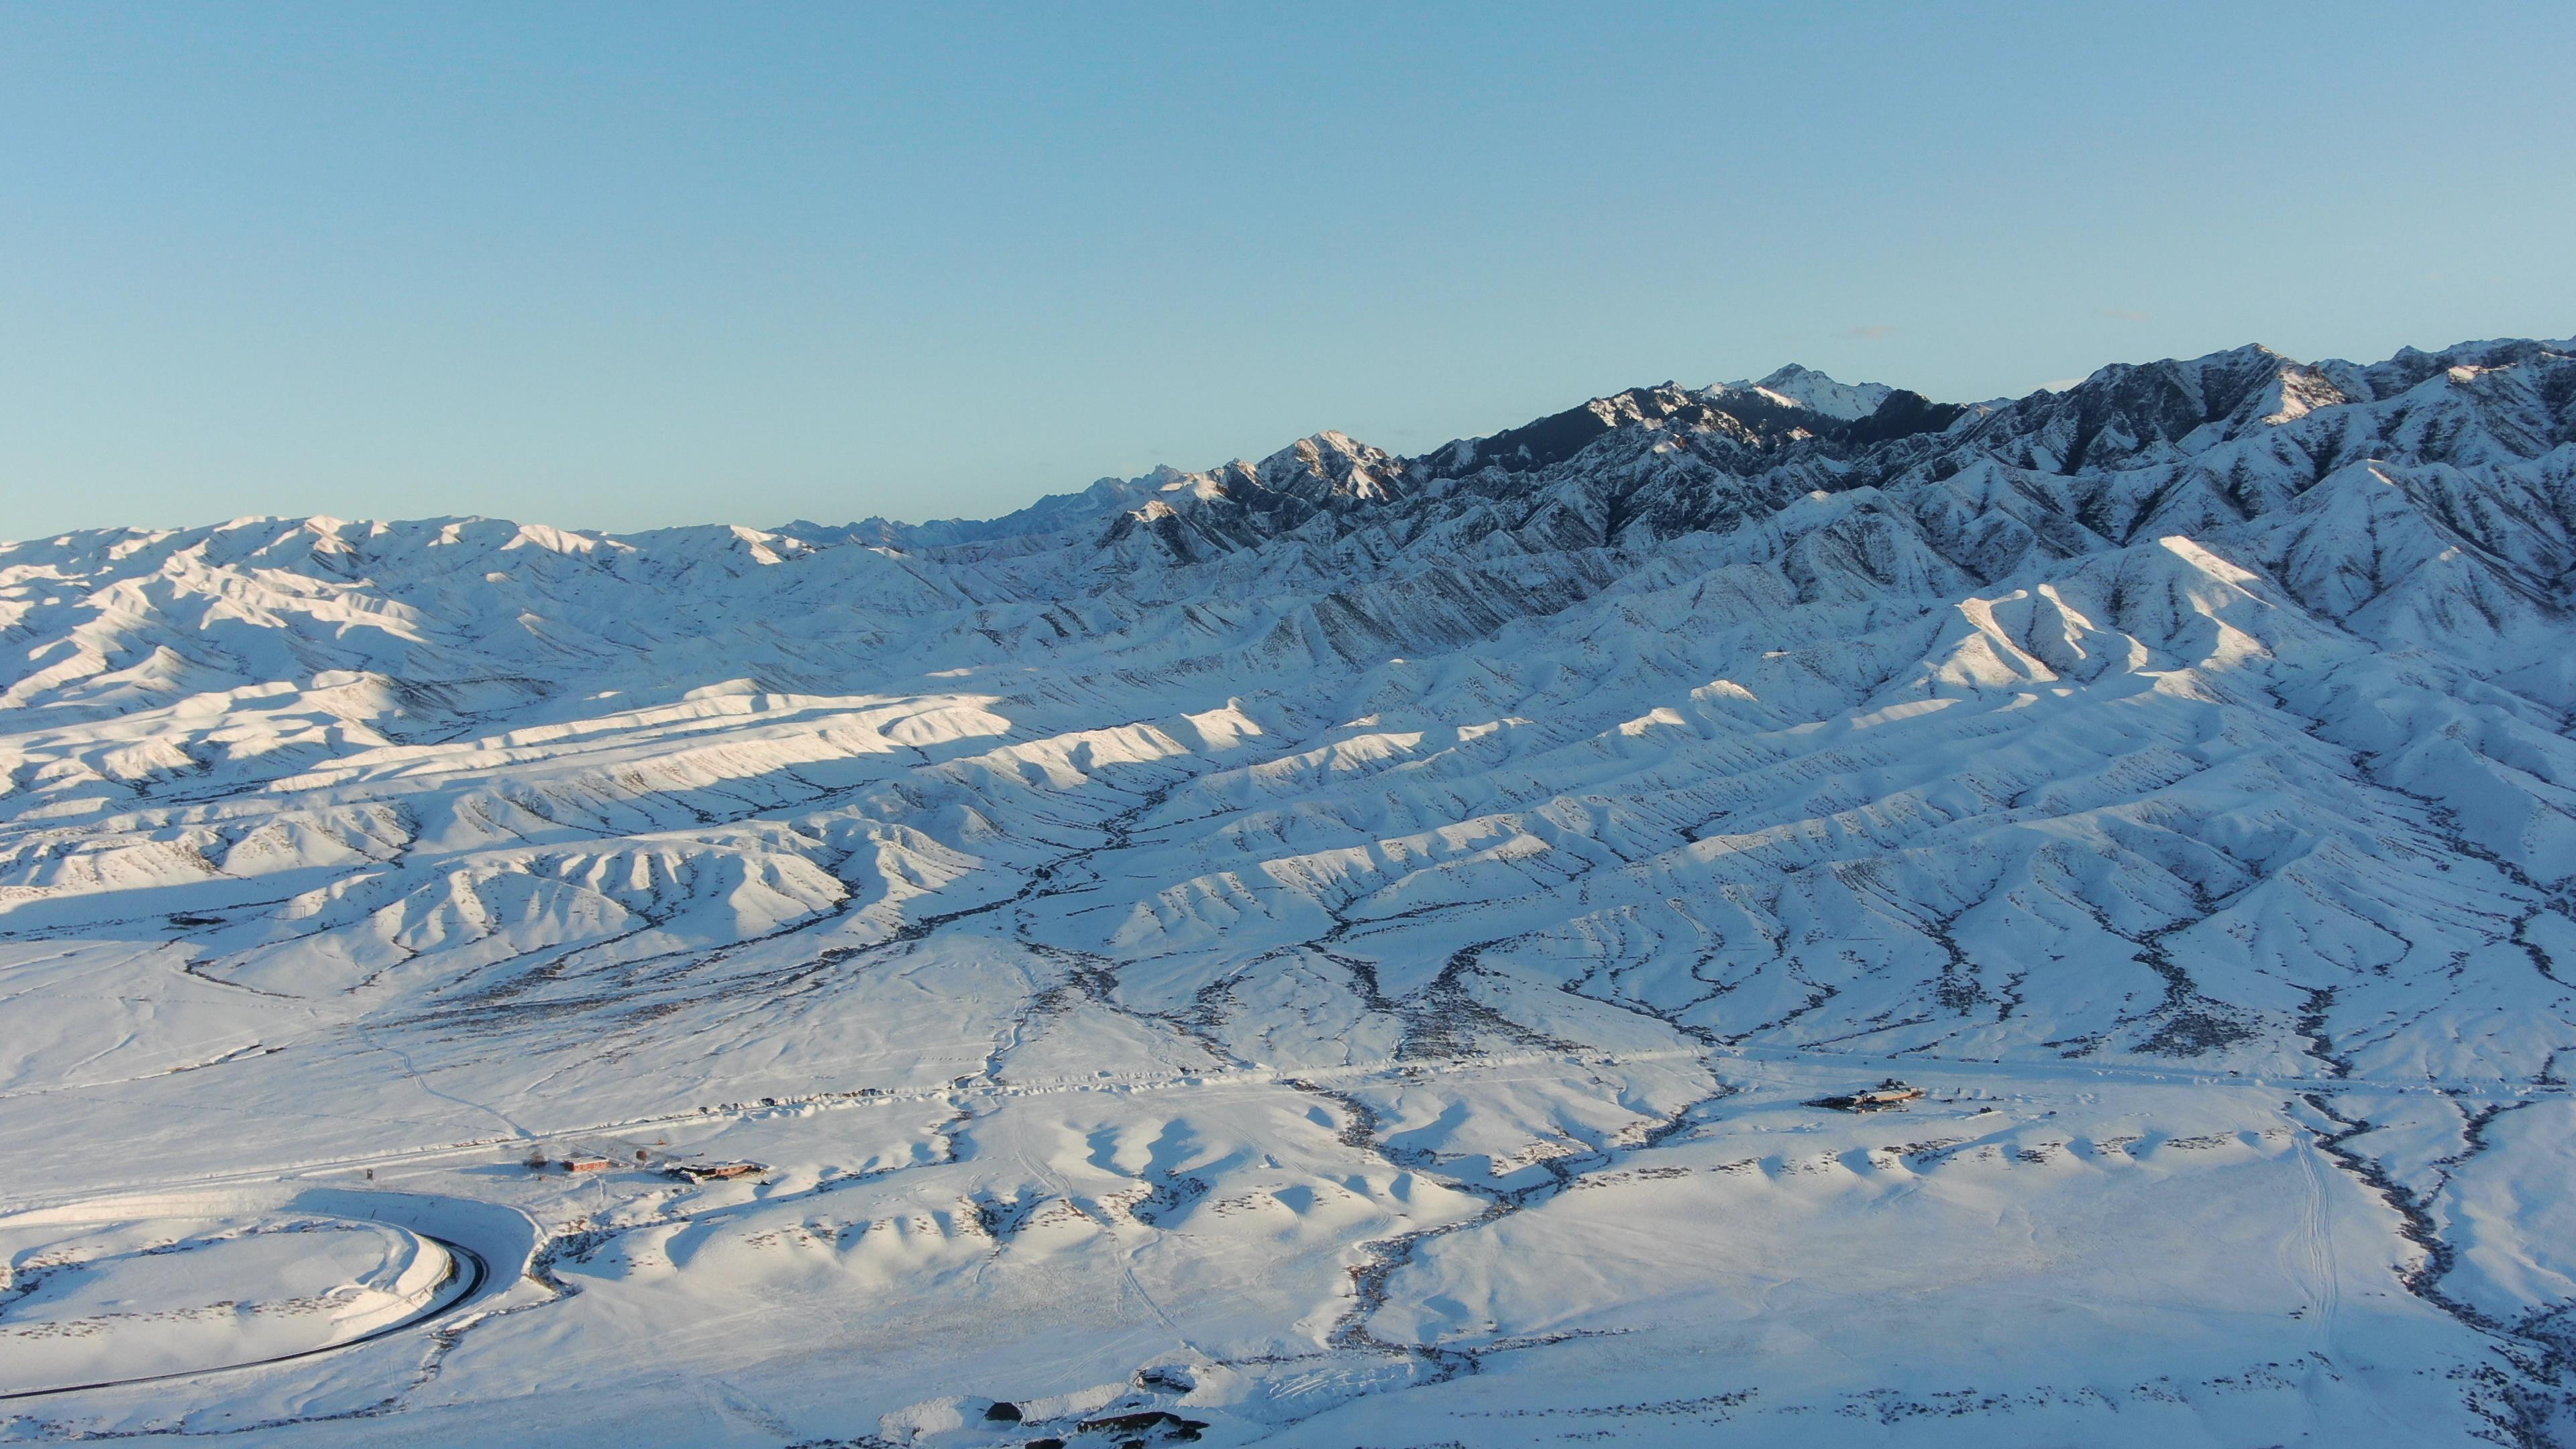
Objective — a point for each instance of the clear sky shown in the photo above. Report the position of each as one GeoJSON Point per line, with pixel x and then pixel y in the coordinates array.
{"type": "Point", "coordinates": [626, 265]}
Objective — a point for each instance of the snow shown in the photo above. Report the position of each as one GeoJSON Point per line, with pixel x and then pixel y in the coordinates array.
{"type": "Point", "coordinates": [136, 1297]}
{"type": "Point", "coordinates": [1339, 948]}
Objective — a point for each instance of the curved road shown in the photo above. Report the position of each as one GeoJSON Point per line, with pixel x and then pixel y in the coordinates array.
{"type": "Point", "coordinates": [460, 1260]}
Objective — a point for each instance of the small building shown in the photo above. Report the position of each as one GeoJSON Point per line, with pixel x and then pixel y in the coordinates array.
{"type": "Point", "coordinates": [1888, 1093]}
{"type": "Point", "coordinates": [585, 1162]}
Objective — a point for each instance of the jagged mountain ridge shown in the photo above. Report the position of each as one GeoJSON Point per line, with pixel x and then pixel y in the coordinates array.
{"type": "Point", "coordinates": [2209, 716]}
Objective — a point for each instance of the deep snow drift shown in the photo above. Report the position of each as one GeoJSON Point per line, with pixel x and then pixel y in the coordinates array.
{"type": "Point", "coordinates": [1341, 949]}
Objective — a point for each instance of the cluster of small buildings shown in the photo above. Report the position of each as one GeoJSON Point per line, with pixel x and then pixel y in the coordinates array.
{"type": "Point", "coordinates": [712, 1171]}
{"type": "Point", "coordinates": [685, 1171]}
{"type": "Point", "coordinates": [1888, 1093]}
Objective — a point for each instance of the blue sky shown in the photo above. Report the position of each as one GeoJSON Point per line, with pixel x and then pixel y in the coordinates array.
{"type": "Point", "coordinates": [631, 265]}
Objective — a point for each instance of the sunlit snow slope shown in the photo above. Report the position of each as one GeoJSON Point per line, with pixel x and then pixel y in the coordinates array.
{"type": "Point", "coordinates": [1337, 949]}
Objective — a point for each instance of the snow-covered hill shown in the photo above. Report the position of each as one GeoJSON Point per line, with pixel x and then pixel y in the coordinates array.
{"type": "Point", "coordinates": [1334, 948]}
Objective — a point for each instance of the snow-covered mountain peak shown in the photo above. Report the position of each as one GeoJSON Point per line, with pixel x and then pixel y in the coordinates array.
{"type": "Point", "coordinates": [1333, 465]}
{"type": "Point", "coordinates": [1803, 387]}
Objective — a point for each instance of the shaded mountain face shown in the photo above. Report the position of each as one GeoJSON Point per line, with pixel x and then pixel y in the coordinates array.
{"type": "Point", "coordinates": [2207, 721]}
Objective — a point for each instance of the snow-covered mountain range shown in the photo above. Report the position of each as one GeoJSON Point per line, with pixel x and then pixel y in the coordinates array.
{"type": "Point", "coordinates": [1336, 948]}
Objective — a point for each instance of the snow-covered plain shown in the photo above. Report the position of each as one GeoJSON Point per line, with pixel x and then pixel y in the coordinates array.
{"type": "Point", "coordinates": [1338, 950]}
